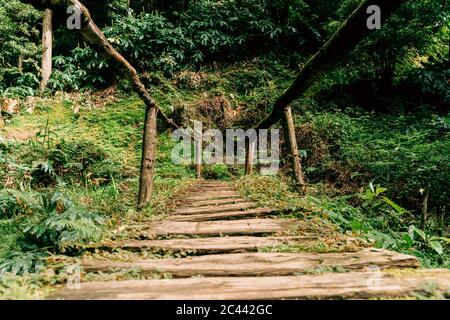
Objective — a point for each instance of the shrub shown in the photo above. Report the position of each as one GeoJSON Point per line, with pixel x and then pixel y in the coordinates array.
{"type": "Point", "coordinates": [77, 161]}
{"type": "Point", "coordinates": [58, 224]}
{"type": "Point", "coordinates": [406, 154]}
{"type": "Point", "coordinates": [217, 172]}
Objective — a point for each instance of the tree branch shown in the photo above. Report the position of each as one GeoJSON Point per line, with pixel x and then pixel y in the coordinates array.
{"type": "Point", "coordinates": [351, 32]}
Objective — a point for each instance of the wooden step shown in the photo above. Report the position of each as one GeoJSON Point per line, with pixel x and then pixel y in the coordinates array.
{"type": "Point", "coordinates": [214, 183]}
{"type": "Point", "coordinates": [212, 194]}
{"type": "Point", "coordinates": [214, 209]}
{"type": "Point", "coordinates": [259, 264]}
{"type": "Point", "coordinates": [208, 245]}
{"type": "Point", "coordinates": [216, 202]}
{"type": "Point", "coordinates": [214, 188]}
{"type": "Point", "coordinates": [228, 227]}
{"type": "Point", "coordinates": [355, 285]}
{"type": "Point", "coordinates": [209, 197]}
{"type": "Point", "coordinates": [259, 212]}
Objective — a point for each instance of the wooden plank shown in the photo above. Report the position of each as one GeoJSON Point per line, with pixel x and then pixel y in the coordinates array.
{"type": "Point", "coordinates": [229, 227]}
{"type": "Point", "coordinates": [214, 209]}
{"type": "Point", "coordinates": [212, 193]}
{"type": "Point", "coordinates": [259, 264]}
{"type": "Point", "coordinates": [214, 183]}
{"type": "Point", "coordinates": [356, 285]}
{"type": "Point", "coordinates": [214, 188]}
{"type": "Point", "coordinates": [208, 245]}
{"type": "Point", "coordinates": [209, 197]}
{"type": "Point", "coordinates": [259, 212]}
{"type": "Point", "coordinates": [214, 202]}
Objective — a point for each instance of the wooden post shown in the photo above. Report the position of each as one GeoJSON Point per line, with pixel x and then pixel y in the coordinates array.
{"type": "Point", "coordinates": [198, 152]}
{"type": "Point", "coordinates": [291, 143]}
{"type": "Point", "coordinates": [148, 157]}
{"type": "Point", "coordinates": [47, 44]}
{"type": "Point", "coordinates": [250, 155]}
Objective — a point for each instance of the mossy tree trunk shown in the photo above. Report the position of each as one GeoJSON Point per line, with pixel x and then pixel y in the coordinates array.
{"type": "Point", "coordinates": [148, 158]}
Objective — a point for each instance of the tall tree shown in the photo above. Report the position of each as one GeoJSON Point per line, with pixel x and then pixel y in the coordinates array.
{"type": "Point", "coordinates": [47, 46]}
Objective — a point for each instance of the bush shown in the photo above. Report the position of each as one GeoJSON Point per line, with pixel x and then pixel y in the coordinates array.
{"type": "Point", "coordinates": [78, 161]}
{"type": "Point", "coordinates": [14, 203]}
{"type": "Point", "coordinates": [83, 68]}
{"type": "Point", "coordinates": [406, 154]}
{"type": "Point", "coordinates": [52, 224]}
{"type": "Point", "coordinates": [217, 172]}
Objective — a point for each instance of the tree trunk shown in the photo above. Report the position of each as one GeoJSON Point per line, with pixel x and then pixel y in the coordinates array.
{"type": "Point", "coordinates": [148, 157]}
{"type": "Point", "coordinates": [425, 209]}
{"type": "Point", "coordinates": [47, 45]}
{"type": "Point", "coordinates": [20, 63]}
{"type": "Point", "coordinates": [291, 143]}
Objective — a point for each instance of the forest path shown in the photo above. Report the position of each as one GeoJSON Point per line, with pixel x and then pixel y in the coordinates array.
{"type": "Point", "coordinates": [230, 249]}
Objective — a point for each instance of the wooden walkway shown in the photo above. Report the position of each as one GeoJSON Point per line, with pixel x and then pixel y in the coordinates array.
{"type": "Point", "coordinates": [227, 237]}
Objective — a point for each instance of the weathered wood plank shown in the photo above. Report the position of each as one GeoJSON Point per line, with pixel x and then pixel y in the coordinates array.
{"type": "Point", "coordinates": [214, 209]}
{"type": "Point", "coordinates": [259, 212]}
{"type": "Point", "coordinates": [259, 264]}
{"type": "Point", "coordinates": [214, 202]}
{"type": "Point", "coordinates": [229, 227]}
{"type": "Point", "coordinates": [209, 245]}
{"type": "Point", "coordinates": [214, 182]}
{"type": "Point", "coordinates": [358, 285]}
{"type": "Point", "coordinates": [209, 197]}
{"type": "Point", "coordinates": [212, 193]}
{"type": "Point", "coordinates": [214, 188]}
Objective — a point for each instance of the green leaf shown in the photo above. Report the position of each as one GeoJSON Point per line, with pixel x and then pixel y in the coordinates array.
{"type": "Point", "coordinates": [419, 232]}
{"type": "Point", "coordinates": [409, 240]}
{"type": "Point", "coordinates": [440, 239]}
{"type": "Point", "coordinates": [436, 245]}
{"type": "Point", "coordinates": [380, 190]}
{"type": "Point", "coordinates": [395, 206]}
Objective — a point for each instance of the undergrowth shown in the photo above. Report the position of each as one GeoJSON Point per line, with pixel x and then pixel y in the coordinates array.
{"type": "Point", "coordinates": [377, 219]}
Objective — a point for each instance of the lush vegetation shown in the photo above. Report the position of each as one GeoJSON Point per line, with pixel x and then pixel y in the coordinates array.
{"type": "Point", "coordinates": [374, 133]}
